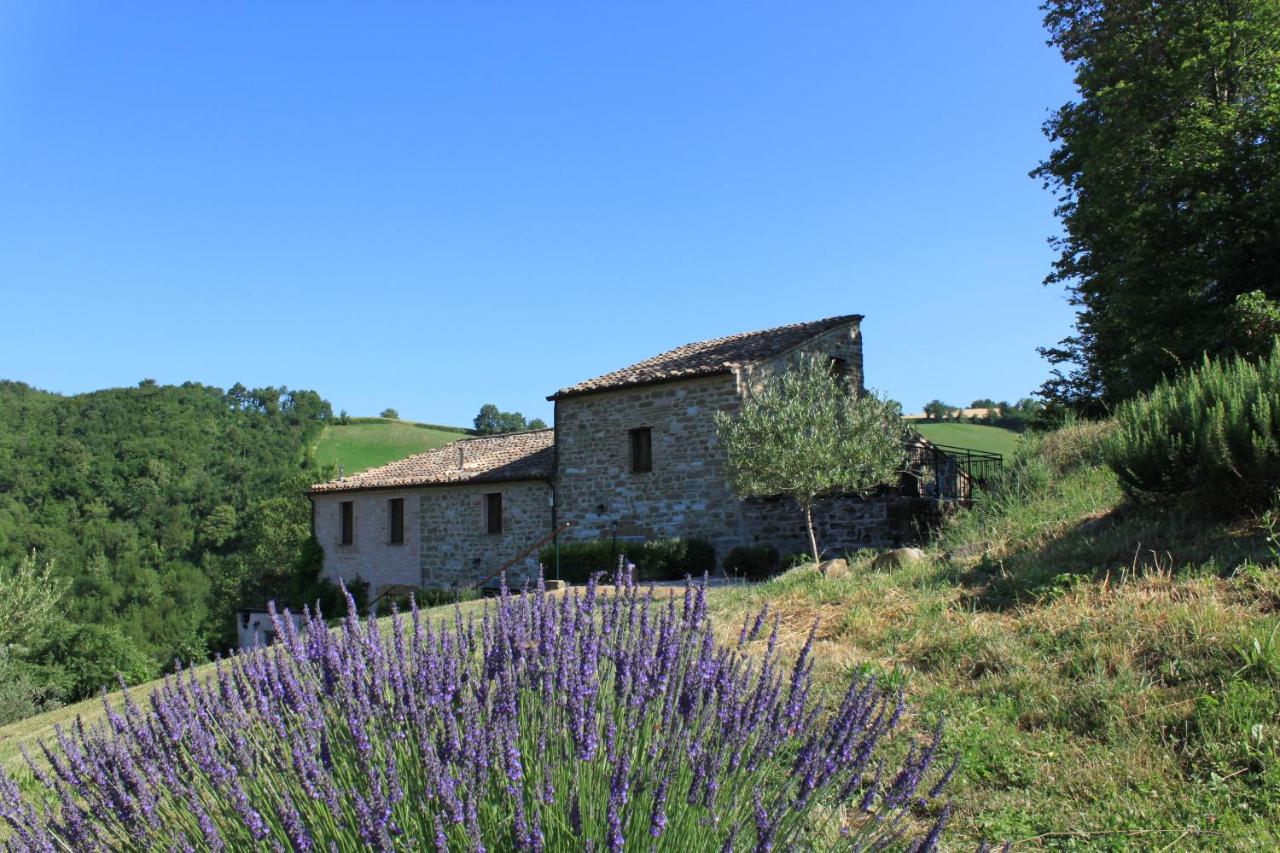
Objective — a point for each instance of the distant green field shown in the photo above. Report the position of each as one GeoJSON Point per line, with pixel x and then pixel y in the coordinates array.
{"type": "Point", "coordinates": [369, 442]}
{"type": "Point", "coordinates": [971, 436]}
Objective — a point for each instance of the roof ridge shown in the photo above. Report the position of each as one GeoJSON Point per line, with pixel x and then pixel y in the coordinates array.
{"type": "Point", "coordinates": [497, 435]}
{"type": "Point", "coordinates": [709, 357]}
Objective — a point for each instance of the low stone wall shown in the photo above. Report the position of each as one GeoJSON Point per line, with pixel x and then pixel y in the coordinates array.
{"type": "Point", "coordinates": [842, 524]}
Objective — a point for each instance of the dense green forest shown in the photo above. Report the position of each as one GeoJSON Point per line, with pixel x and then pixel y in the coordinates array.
{"type": "Point", "coordinates": [157, 511]}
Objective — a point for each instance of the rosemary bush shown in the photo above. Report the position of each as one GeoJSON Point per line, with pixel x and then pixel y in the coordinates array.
{"type": "Point", "coordinates": [1211, 435]}
{"type": "Point", "coordinates": [549, 722]}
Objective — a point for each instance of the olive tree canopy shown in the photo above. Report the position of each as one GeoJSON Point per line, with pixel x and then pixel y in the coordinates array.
{"type": "Point", "coordinates": [807, 435]}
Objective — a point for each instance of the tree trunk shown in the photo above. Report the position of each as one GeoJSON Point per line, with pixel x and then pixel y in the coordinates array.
{"type": "Point", "coordinates": [808, 523]}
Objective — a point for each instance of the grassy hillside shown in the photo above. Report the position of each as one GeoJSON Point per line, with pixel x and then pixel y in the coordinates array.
{"type": "Point", "coordinates": [973, 436]}
{"type": "Point", "coordinates": [369, 442]}
{"type": "Point", "coordinates": [1109, 676]}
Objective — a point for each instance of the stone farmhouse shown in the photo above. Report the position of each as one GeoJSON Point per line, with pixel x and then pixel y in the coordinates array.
{"type": "Point", "coordinates": [633, 454]}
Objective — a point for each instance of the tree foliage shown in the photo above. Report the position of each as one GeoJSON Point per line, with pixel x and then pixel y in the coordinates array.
{"type": "Point", "coordinates": [390, 413]}
{"type": "Point", "coordinates": [936, 410]}
{"type": "Point", "coordinates": [807, 435]}
{"type": "Point", "coordinates": [492, 421]}
{"type": "Point", "coordinates": [161, 510]}
{"type": "Point", "coordinates": [1167, 174]}
{"type": "Point", "coordinates": [30, 594]}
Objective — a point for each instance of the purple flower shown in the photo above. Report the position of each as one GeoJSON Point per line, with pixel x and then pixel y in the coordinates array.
{"type": "Point", "coordinates": [536, 722]}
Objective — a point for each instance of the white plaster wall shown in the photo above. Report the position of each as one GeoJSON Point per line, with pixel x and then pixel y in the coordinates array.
{"type": "Point", "coordinates": [370, 556]}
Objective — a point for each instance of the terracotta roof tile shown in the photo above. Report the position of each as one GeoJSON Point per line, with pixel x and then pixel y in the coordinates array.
{"type": "Point", "coordinates": [487, 459]}
{"type": "Point", "coordinates": [708, 358]}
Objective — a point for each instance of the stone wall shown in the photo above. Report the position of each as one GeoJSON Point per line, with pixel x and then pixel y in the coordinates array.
{"type": "Point", "coordinates": [842, 524]}
{"type": "Point", "coordinates": [843, 343]}
{"type": "Point", "coordinates": [370, 555]}
{"type": "Point", "coordinates": [456, 547]}
{"type": "Point", "coordinates": [686, 494]}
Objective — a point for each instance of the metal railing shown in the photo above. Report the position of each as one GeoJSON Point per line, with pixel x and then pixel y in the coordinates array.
{"type": "Point", "coordinates": [948, 473]}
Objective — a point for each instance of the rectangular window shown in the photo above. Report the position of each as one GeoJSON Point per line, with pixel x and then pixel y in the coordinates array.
{"type": "Point", "coordinates": [493, 512]}
{"type": "Point", "coordinates": [641, 450]}
{"type": "Point", "coordinates": [348, 522]}
{"type": "Point", "coordinates": [395, 520]}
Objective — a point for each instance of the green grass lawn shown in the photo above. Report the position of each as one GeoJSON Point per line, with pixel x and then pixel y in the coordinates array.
{"type": "Point", "coordinates": [972, 436]}
{"type": "Point", "coordinates": [372, 442]}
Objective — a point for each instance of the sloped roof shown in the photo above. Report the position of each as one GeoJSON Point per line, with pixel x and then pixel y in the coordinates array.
{"type": "Point", "coordinates": [708, 358]}
{"type": "Point", "coordinates": [487, 459]}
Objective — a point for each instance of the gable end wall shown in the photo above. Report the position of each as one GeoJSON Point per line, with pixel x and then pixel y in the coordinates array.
{"type": "Point", "coordinates": [687, 493]}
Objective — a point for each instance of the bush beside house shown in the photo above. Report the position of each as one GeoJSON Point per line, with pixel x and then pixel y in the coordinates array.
{"type": "Point", "coordinates": [656, 559]}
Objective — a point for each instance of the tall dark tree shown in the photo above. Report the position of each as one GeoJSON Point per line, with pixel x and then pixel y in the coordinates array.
{"type": "Point", "coordinates": [1167, 174]}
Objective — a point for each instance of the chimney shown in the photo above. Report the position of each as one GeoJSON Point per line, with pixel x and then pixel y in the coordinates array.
{"type": "Point", "coordinates": [462, 456]}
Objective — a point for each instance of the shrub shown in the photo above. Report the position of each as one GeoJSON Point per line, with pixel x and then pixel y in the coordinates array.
{"type": "Point", "coordinates": [96, 656]}
{"type": "Point", "coordinates": [557, 723]}
{"type": "Point", "coordinates": [425, 598]}
{"type": "Point", "coordinates": [657, 559]}
{"type": "Point", "coordinates": [24, 690]}
{"type": "Point", "coordinates": [752, 562]}
{"type": "Point", "coordinates": [580, 560]}
{"type": "Point", "coordinates": [795, 559]}
{"type": "Point", "coordinates": [700, 556]}
{"type": "Point", "coordinates": [357, 590]}
{"type": "Point", "coordinates": [1212, 435]}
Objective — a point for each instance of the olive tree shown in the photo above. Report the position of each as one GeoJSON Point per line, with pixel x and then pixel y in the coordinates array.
{"type": "Point", "coordinates": [807, 435]}
{"type": "Point", "coordinates": [30, 595]}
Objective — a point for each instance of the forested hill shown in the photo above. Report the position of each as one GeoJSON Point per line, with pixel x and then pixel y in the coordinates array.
{"type": "Point", "coordinates": [161, 507]}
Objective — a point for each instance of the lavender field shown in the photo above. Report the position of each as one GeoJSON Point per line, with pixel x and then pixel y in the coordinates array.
{"type": "Point", "coordinates": [547, 722]}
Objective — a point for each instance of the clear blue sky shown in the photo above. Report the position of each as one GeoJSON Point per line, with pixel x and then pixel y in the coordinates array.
{"type": "Point", "coordinates": [432, 206]}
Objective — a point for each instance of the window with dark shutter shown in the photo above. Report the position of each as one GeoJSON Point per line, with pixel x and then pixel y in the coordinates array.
{"type": "Point", "coordinates": [641, 450]}
{"type": "Point", "coordinates": [348, 522]}
{"type": "Point", "coordinates": [493, 512]}
{"type": "Point", "coordinates": [395, 513]}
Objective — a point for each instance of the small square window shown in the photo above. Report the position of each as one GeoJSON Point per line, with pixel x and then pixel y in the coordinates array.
{"type": "Point", "coordinates": [641, 450]}
{"type": "Point", "coordinates": [493, 512]}
{"type": "Point", "coordinates": [395, 520]}
{"type": "Point", "coordinates": [348, 523]}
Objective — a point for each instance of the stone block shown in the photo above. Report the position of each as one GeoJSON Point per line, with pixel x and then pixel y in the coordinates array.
{"type": "Point", "coordinates": [897, 558]}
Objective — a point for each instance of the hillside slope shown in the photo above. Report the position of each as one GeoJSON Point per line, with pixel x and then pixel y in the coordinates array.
{"type": "Point", "coordinates": [1109, 677]}
{"type": "Point", "coordinates": [972, 436]}
{"type": "Point", "coordinates": [149, 502]}
{"type": "Point", "coordinates": [370, 442]}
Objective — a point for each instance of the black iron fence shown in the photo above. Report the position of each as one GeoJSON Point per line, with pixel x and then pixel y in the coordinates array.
{"type": "Point", "coordinates": [944, 472]}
